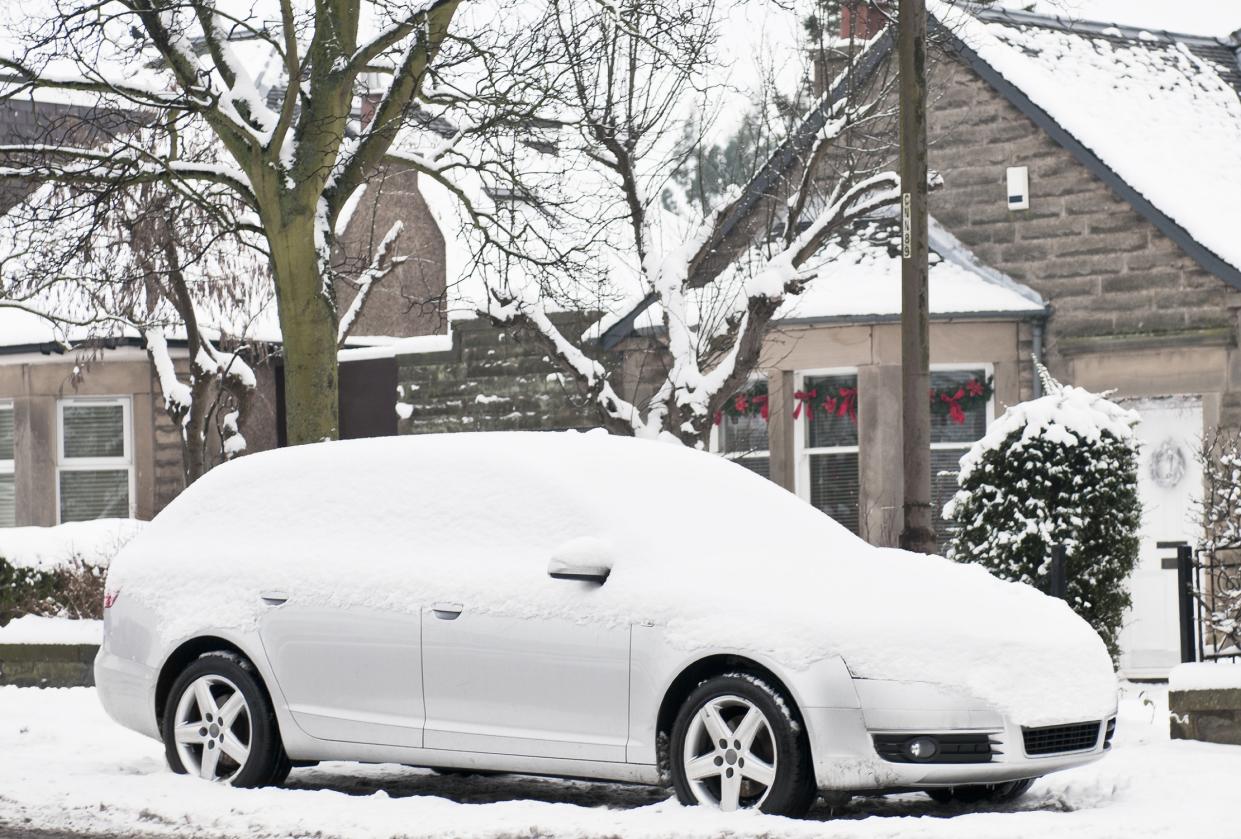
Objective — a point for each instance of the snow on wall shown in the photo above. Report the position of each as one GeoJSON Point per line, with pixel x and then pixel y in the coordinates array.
{"type": "Point", "coordinates": [1204, 675]}
{"type": "Point", "coordinates": [475, 518]}
{"type": "Point", "coordinates": [95, 542]}
{"type": "Point", "coordinates": [1162, 118]}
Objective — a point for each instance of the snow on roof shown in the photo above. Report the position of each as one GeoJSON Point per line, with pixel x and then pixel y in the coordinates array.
{"type": "Point", "coordinates": [652, 510]}
{"type": "Point", "coordinates": [859, 276]}
{"type": "Point", "coordinates": [1215, 18]}
{"type": "Point", "coordinates": [1163, 112]}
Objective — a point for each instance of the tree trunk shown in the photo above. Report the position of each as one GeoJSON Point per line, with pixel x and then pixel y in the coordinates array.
{"type": "Point", "coordinates": [307, 308]}
{"type": "Point", "coordinates": [918, 533]}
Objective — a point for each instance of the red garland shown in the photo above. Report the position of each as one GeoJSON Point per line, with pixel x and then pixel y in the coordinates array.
{"type": "Point", "coordinates": [804, 399]}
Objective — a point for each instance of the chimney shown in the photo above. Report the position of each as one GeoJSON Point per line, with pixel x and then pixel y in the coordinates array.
{"type": "Point", "coordinates": [861, 20]}
{"type": "Point", "coordinates": [369, 104]}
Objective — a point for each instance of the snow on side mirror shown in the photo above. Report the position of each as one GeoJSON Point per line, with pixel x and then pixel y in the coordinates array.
{"type": "Point", "coordinates": [586, 559]}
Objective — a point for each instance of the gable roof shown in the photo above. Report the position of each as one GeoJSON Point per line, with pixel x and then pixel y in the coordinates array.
{"type": "Point", "coordinates": [858, 280]}
{"type": "Point", "coordinates": [1155, 116]}
{"type": "Point", "coordinates": [740, 224]}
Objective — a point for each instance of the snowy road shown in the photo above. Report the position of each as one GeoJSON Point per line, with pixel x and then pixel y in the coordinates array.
{"type": "Point", "coordinates": [66, 768]}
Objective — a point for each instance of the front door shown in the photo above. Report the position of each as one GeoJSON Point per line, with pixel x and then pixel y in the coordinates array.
{"type": "Point", "coordinates": [541, 687]}
{"type": "Point", "coordinates": [347, 673]}
{"type": "Point", "coordinates": [1169, 484]}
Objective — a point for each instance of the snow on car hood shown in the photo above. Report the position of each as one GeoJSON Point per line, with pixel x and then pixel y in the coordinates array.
{"type": "Point", "coordinates": [724, 559]}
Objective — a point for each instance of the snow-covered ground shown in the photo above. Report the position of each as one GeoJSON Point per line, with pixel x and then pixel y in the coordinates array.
{"type": "Point", "coordinates": [34, 629]}
{"type": "Point", "coordinates": [65, 766]}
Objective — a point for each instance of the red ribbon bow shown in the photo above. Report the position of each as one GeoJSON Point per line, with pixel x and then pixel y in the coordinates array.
{"type": "Point", "coordinates": [761, 401]}
{"type": "Point", "coordinates": [804, 399]}
{"type": "Point", "coordinates": [954, 406]}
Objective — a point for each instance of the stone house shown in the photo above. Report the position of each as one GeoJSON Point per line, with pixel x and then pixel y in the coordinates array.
{"type": "Point", "coordinates": [1104, 216]}
{"type": "Point", "coordinates": [83, 429]}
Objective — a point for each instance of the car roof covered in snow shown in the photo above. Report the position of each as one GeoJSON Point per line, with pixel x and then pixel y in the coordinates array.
{"type": "Point", "coordinates": [722, 558]}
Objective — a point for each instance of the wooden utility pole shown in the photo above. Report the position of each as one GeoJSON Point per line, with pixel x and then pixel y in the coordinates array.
{"type": "Point", "coordinates": [918, 533]}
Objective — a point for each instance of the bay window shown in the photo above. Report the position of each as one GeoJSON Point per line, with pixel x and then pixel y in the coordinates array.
{"type": "Point", "coordinates": [741, 430]}
{"type": "Point", "coordinates": [961, 407]}
{"type": "Point", "coordinates": [826, 435]}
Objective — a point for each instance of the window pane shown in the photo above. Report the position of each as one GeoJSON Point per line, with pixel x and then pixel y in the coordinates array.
{"type": "Point", "coordinates": [8, 516]}
{"type": "Point", "coordinates": [746, 433]}
{"type": "Point", "coordinates": [944, 467]}
{"type": "Point", "coordinates": [833, 399]}
{"type": "Point", "coordinates": [6, 433]}
{"type": "Point", "coordinates": [94, 494]}
{"type": "Point", "coordinates": [757, 465]}
{"type": "Point", "coordinates": [948, 426]}
{"type": "Point", "coordinates": [834, 486]}
{"type": "Point", "coordinates": [94, 431]}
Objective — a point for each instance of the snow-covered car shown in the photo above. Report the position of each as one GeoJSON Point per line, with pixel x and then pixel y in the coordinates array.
{"type": "Point", "coordinates": [581, 605]}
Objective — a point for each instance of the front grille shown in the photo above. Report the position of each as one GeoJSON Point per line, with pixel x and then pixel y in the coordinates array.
{"type": "Point", "coordinates": [951, 748]}
{"type": "Point", "coordinates": [1057, 739]}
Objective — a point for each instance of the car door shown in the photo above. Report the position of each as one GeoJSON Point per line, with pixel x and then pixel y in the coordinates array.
{"type": "Point", "coordinates": [540, 687]}
{"type": "Point", "coordinates": [347, 673]}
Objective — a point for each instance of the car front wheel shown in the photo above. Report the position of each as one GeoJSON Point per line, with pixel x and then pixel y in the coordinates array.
{"type": "Point", "coordinates": [736, 746]}
{"type": "Point", "coordinates": [219, 725]}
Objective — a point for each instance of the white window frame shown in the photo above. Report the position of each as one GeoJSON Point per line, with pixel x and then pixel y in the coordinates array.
{"type": "Point", "coordinates": [989, 373]}
{"type": "Point", "coordinates": [91, 464]}
{"type": "Point", "coordinates": [802, 452]}
{"type": "Point", "coordinates": [8, 466]}
{"type": "Point", "coordinates": [714, 442]}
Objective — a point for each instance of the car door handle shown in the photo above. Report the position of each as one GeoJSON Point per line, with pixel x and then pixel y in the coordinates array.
{"type": "Point", "coordinates": [447, 611]}
{"type": "Point", "coordinates": [274, 598]}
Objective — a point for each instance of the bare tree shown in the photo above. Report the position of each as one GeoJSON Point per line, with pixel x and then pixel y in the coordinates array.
{"type": "Point", "coordinates": [100, 261]}
{"type": "Point", "coordinates": [623, 81]}
{"type": "Point", "coordinates": [292, 160]}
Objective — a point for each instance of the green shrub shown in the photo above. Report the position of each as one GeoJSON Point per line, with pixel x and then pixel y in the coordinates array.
{"type": "Point", "coordinates": [1061, 469]}
{"type": "Point", "coordinates": [72, 590]}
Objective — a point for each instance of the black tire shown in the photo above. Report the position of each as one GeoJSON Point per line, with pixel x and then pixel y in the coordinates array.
{"type": "Point", "coordinates": [977, 793]}
{"type": "Point", "coordinates": [266, 762]}
{"type": "Point", "coordinates": [793, 789]}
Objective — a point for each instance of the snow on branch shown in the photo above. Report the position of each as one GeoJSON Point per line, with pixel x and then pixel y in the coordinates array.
{"type": "Point", "coordinates": [380, 267]}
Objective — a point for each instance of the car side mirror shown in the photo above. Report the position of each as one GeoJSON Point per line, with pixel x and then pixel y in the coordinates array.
{"type": "Point", "coordinates": [586, 559]}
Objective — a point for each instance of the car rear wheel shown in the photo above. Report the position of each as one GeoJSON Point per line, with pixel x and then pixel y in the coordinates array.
{"type": "Point", "coordinates": [735, 746]}
{"type": "Point", "coordinates": [977, 793]}
{"type": "Point", "coordinates": [219, 725]}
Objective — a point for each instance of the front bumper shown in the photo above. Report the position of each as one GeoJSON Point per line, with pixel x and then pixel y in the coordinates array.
{"type": "Point", "coordinates": [846, 758]}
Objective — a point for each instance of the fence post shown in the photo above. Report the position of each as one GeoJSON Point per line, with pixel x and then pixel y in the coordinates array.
{"type": "Point", "coordinates": [1184, 596]}
{"type": "Point", "coordinates": [1057, 583]}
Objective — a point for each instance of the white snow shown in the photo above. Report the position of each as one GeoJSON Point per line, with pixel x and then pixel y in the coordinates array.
{"type": "Point", "coordinates": [1216, 18]}
{"type": "Point", "coordinates": [812, 589]}
{"type": "Point", "coordinates": [1165, 120]}
{"type": "Point", "coordinates": [423, 343]}
{"type": "Point", "coordinates": [34, 629]}
{"type": "Point", "coordinates": [1067, 414]}
{"type": "Point", "coordinates": [95, 542]}
{"type": "Point", "coordinates": [1205, 675]}
{"type": "Point", "coordinates": [67, 767]}
{"type": "Point", "coordinates": [862, 276]}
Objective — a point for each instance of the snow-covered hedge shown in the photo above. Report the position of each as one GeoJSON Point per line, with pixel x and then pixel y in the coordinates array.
{"type": "Point", "coordinates": [1061, 469]}
{"type": "Point", "coordinates": [59, 571]}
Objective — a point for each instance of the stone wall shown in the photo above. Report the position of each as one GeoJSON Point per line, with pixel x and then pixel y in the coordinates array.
{"type": "Point", "coordinates": [1108, 273]}
{"type": "Point", "coordinates": [504, 380]}
{"type": "Point", "coordinates": [1213, 716]}
{"type": "Point", "coordinates": [47, 665]}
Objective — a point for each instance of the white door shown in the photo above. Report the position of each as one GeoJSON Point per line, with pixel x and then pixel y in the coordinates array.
{"type": "Point", "coordinates": [348, 674]}
{"type": "Point", "coordinates": [1169, 483]}
{"type": "Point", "coordinates": [541, 687]}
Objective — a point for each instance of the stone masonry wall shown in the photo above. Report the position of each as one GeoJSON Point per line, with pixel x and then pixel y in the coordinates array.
{"type": "Point", "coordinates": [503, 380]}
{"type": "Point", "coordinates": [1106, 270]}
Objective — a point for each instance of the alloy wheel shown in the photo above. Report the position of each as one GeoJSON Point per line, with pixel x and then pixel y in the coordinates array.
{"type": "Point", "coordinates": [213, 729]}
{"type": "Point", "coordinates": [730, 754]}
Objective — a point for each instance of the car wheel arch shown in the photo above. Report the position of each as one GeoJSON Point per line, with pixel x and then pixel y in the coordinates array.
{"type": "Point", "coordinates": [698, 672]}
{"type": "Point", "coordinates": [191, 650]}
